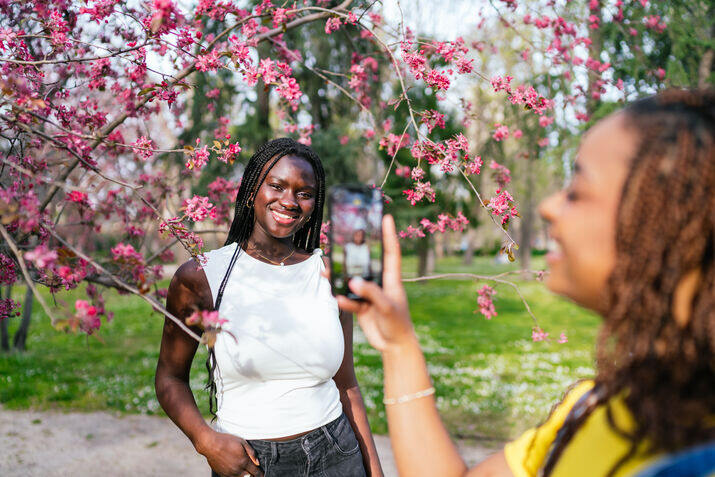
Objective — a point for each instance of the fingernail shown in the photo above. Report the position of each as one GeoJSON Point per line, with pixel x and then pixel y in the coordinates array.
{"type": "Point", "coordinates": [356, 282]}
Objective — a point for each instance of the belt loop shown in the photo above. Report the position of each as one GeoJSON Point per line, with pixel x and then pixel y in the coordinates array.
{"type": "Point", "coordinates": [274, 452]}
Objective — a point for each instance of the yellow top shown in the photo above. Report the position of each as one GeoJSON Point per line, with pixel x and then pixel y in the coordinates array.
{"type": "Point", "coordinates": [592, 451]}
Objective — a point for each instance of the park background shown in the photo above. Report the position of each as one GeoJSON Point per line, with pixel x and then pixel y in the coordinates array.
{"type": "Point", "coordinates": [494, 376]}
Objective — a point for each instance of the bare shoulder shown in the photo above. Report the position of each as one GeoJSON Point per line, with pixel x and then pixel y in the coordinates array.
{"type": "Point", "coordinates": [189, 288]}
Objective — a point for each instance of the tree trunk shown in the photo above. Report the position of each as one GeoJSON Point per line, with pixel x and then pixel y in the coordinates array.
{"type": "Point", "coordinates": [4, 336]}
{"type": "Point", "coordinates": [263, 106]}
{"type": "Point", "coordinates": [425, 256]}
{"type": "Point", "coordinates": [468, 257]}
{"type": "Point", "coordinates": [21, 334]}
{"type": "Point", "coordinates": [527, 216]}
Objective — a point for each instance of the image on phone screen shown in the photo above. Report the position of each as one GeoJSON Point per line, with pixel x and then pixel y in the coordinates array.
{"type": "Point", "coordinates": [355, 214]}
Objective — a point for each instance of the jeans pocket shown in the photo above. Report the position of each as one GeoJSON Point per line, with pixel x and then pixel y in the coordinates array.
{"type": "Point", "coordinates": [343, 437]}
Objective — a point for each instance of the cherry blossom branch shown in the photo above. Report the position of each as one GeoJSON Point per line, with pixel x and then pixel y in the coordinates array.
{"type": "Point", "coordinates": [180, 76]}
{"type": "Point", "coordinates": [25, 273]}
{"type": "Point", "coordinates": [476, 192]}
{"type": "Point", "coordinates": [473, 276]}
{"type": "Point", "coordinates": [125, 286]}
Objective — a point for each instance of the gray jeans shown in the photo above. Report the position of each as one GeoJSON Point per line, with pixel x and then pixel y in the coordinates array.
{"type": "Point", "coordinates": [331, 450]}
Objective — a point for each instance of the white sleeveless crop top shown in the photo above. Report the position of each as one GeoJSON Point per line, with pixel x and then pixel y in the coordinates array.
{"type": "Point", "coordinates": [280, 348]}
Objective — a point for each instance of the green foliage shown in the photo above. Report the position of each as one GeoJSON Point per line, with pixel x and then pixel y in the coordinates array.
{"type": "Point", "coordinates": [490, 378]}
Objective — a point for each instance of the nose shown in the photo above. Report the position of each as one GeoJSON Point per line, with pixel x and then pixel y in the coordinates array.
{"type": "Point", "coordinates": [288, 200]}
{"type": "Point", "coordinates": [548, 208]}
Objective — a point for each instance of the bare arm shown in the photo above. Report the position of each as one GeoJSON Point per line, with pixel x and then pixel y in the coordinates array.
{"type": "Point", "coordinates": [419, 439]}
{"type": "Point", "coordinates": [353, 405]}
{"type": "Point", "coordinates": [226, 454]}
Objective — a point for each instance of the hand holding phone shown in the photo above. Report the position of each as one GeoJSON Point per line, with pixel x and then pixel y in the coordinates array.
{"type": "Point", "coordinates": [355, 214]}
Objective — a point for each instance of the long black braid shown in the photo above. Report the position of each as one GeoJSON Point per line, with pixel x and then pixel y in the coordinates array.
{"type": "Point", "coordinates": [307, 238]}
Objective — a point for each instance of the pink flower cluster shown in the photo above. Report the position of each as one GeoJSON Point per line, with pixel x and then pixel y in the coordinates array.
{"type": "Point", "coordinates": [537, 334]}
{"type": "Point", "coordinates": [433, 119]}
{"type": "Point", "coordinates": [8, 270]}
{"type": "Point", "coordinates": [333, 24]}
{"type": "Point", "coordinates": [206, 319]}
{"type": "Point", "coordinates": [501, 174]}
{"type": "Point", "coordinates": [86, 316]}
{"type": "Point", "coordinates": [484, 300]}
{"type": "Point", "coordinates": [125, 252]}
{"type": "Point", "coordinates": [448, 155]}
{"type": "Point", "coordinates": [41, 256]}
{"type": "Point", "coordinates": [522, 95]}
{"type": "Point", "coordinates": [422, 190]}
{"type": "Point", "coordinates": [501, 132]}
{"type": "Point", "coordinates": [503, 205]}
{"type": "Point", "coordinates": [8, 308]}
{"type": "Point", "coordinates": [393, 143]}
{"type": "Point", "coordinates": [143, 148]}
{"type": "Point", "coordinates": [198, 208]}
{"type": "Point", "coordinates": [222, 193]}
{"type": "Point", "coordinates": [443, 224]}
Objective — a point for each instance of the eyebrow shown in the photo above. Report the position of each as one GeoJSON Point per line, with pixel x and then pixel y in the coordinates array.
{"type": "Point", "coordinates": [272, 177]}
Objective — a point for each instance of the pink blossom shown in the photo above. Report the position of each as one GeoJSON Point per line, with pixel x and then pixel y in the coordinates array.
{"type": "Point", "coordinates": [502, 205]}
{"type": "Point", "coordinates": [486, 305]}
{"type": "Point", "coordinates": [437, 80]}
{"type": "Point", "coordinates": [87, 316]}
{"type": "Point", "coordinates": [417, 174]}
{"type": "Point", "coordinates": [8, 308]}
{"type": "Point", "coordinates": [197, 208]}
{"type": "Point", "coordinates": [208, 62]}
{"type": "Point", "coordinates": [333, 24]}
{"type": "Point", "coordinates": [501, 132]}
{"type": "Point", "coordinates": [543, 142]}
{"type": "Point", "coordinates": [77, 196]}
{"type": "Point", "coordinates": [545, 121]}
{"type": "Point", "coordinates": [290, 90]}
{"type": "Point", "coordinates": [563, 338]}
{"type": "Point", "coordinates": [422, 190]}
{"type": "Point", "coordinates": [125, 252]}
{"type": "Point", "coordinates": [411, 232]}
{"type": "Point", "coordinates": [8, 270]}
{"type": "Point", "coordinates": [474, 166]}
{"type": "Point", "coordinates": [403, 171]}
{"type": "Point", "coordinates": [660, 73]}
{"type": "Point", "coordinates": [206, 319]}
{"type": "Point", "coordinates": [198, 158]}
{"type": "Point", "coordinates": [41, 256]}
{"type": "Point", "coordinates": [393, 143]}
{"type": "Point", "coordinates": [537, 334]}
{"type": "Point", "coordinates": [142, 147]}
{"type": "Point", "coordinates": [229, 154]}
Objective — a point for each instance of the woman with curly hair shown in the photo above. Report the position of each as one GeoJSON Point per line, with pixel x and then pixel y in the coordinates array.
{"type": "Point", "coordinates": [636, 239]}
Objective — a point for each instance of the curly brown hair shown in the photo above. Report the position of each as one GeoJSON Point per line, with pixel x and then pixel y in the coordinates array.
{"type": "Point", "coordinates": [661, 364]}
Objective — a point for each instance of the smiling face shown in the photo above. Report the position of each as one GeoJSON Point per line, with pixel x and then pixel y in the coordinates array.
{"type": "Point", "coordinates": [582, 218]}
{"type": "Point", "coordinates": [286, 198]}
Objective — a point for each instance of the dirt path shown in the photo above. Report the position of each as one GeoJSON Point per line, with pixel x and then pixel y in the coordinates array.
{"type": "Point", "coordinates": [100, 444]}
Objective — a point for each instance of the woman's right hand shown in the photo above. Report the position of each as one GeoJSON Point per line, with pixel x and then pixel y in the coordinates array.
{"type": "Point", "coordinates": [384, 315]}
{"type": "Point", "coordinates": [229, 455]}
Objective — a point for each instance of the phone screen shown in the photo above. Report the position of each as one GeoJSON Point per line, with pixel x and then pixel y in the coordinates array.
{"type": "Point", "coordinates": [355, 232]}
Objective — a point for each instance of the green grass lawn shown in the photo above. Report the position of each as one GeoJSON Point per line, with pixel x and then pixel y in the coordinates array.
{"type": "Point", "coordinates": [492, 381]}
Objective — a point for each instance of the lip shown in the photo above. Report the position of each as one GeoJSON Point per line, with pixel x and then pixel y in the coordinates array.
{"type": "Point", "coordinates": [555, 253]}
{"type": "Point", "coordinates": [283, 218]}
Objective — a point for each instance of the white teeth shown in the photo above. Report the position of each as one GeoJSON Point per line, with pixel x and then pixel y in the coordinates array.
{"type": "Point", "coordinates": [283, 216]}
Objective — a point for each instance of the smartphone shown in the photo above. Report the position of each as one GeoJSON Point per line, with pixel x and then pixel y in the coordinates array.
{"type": "Point", "coordinates": [355, 234]}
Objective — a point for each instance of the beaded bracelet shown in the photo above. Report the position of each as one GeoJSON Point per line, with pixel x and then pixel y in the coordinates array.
{"type": "Point", "coordinates": [409, 397]}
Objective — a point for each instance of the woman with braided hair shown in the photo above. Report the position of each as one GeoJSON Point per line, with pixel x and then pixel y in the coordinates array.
{"type": "Point", "coordinates": [636, 243]}
{"type": "Point", "coordinates": [281, 374]}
